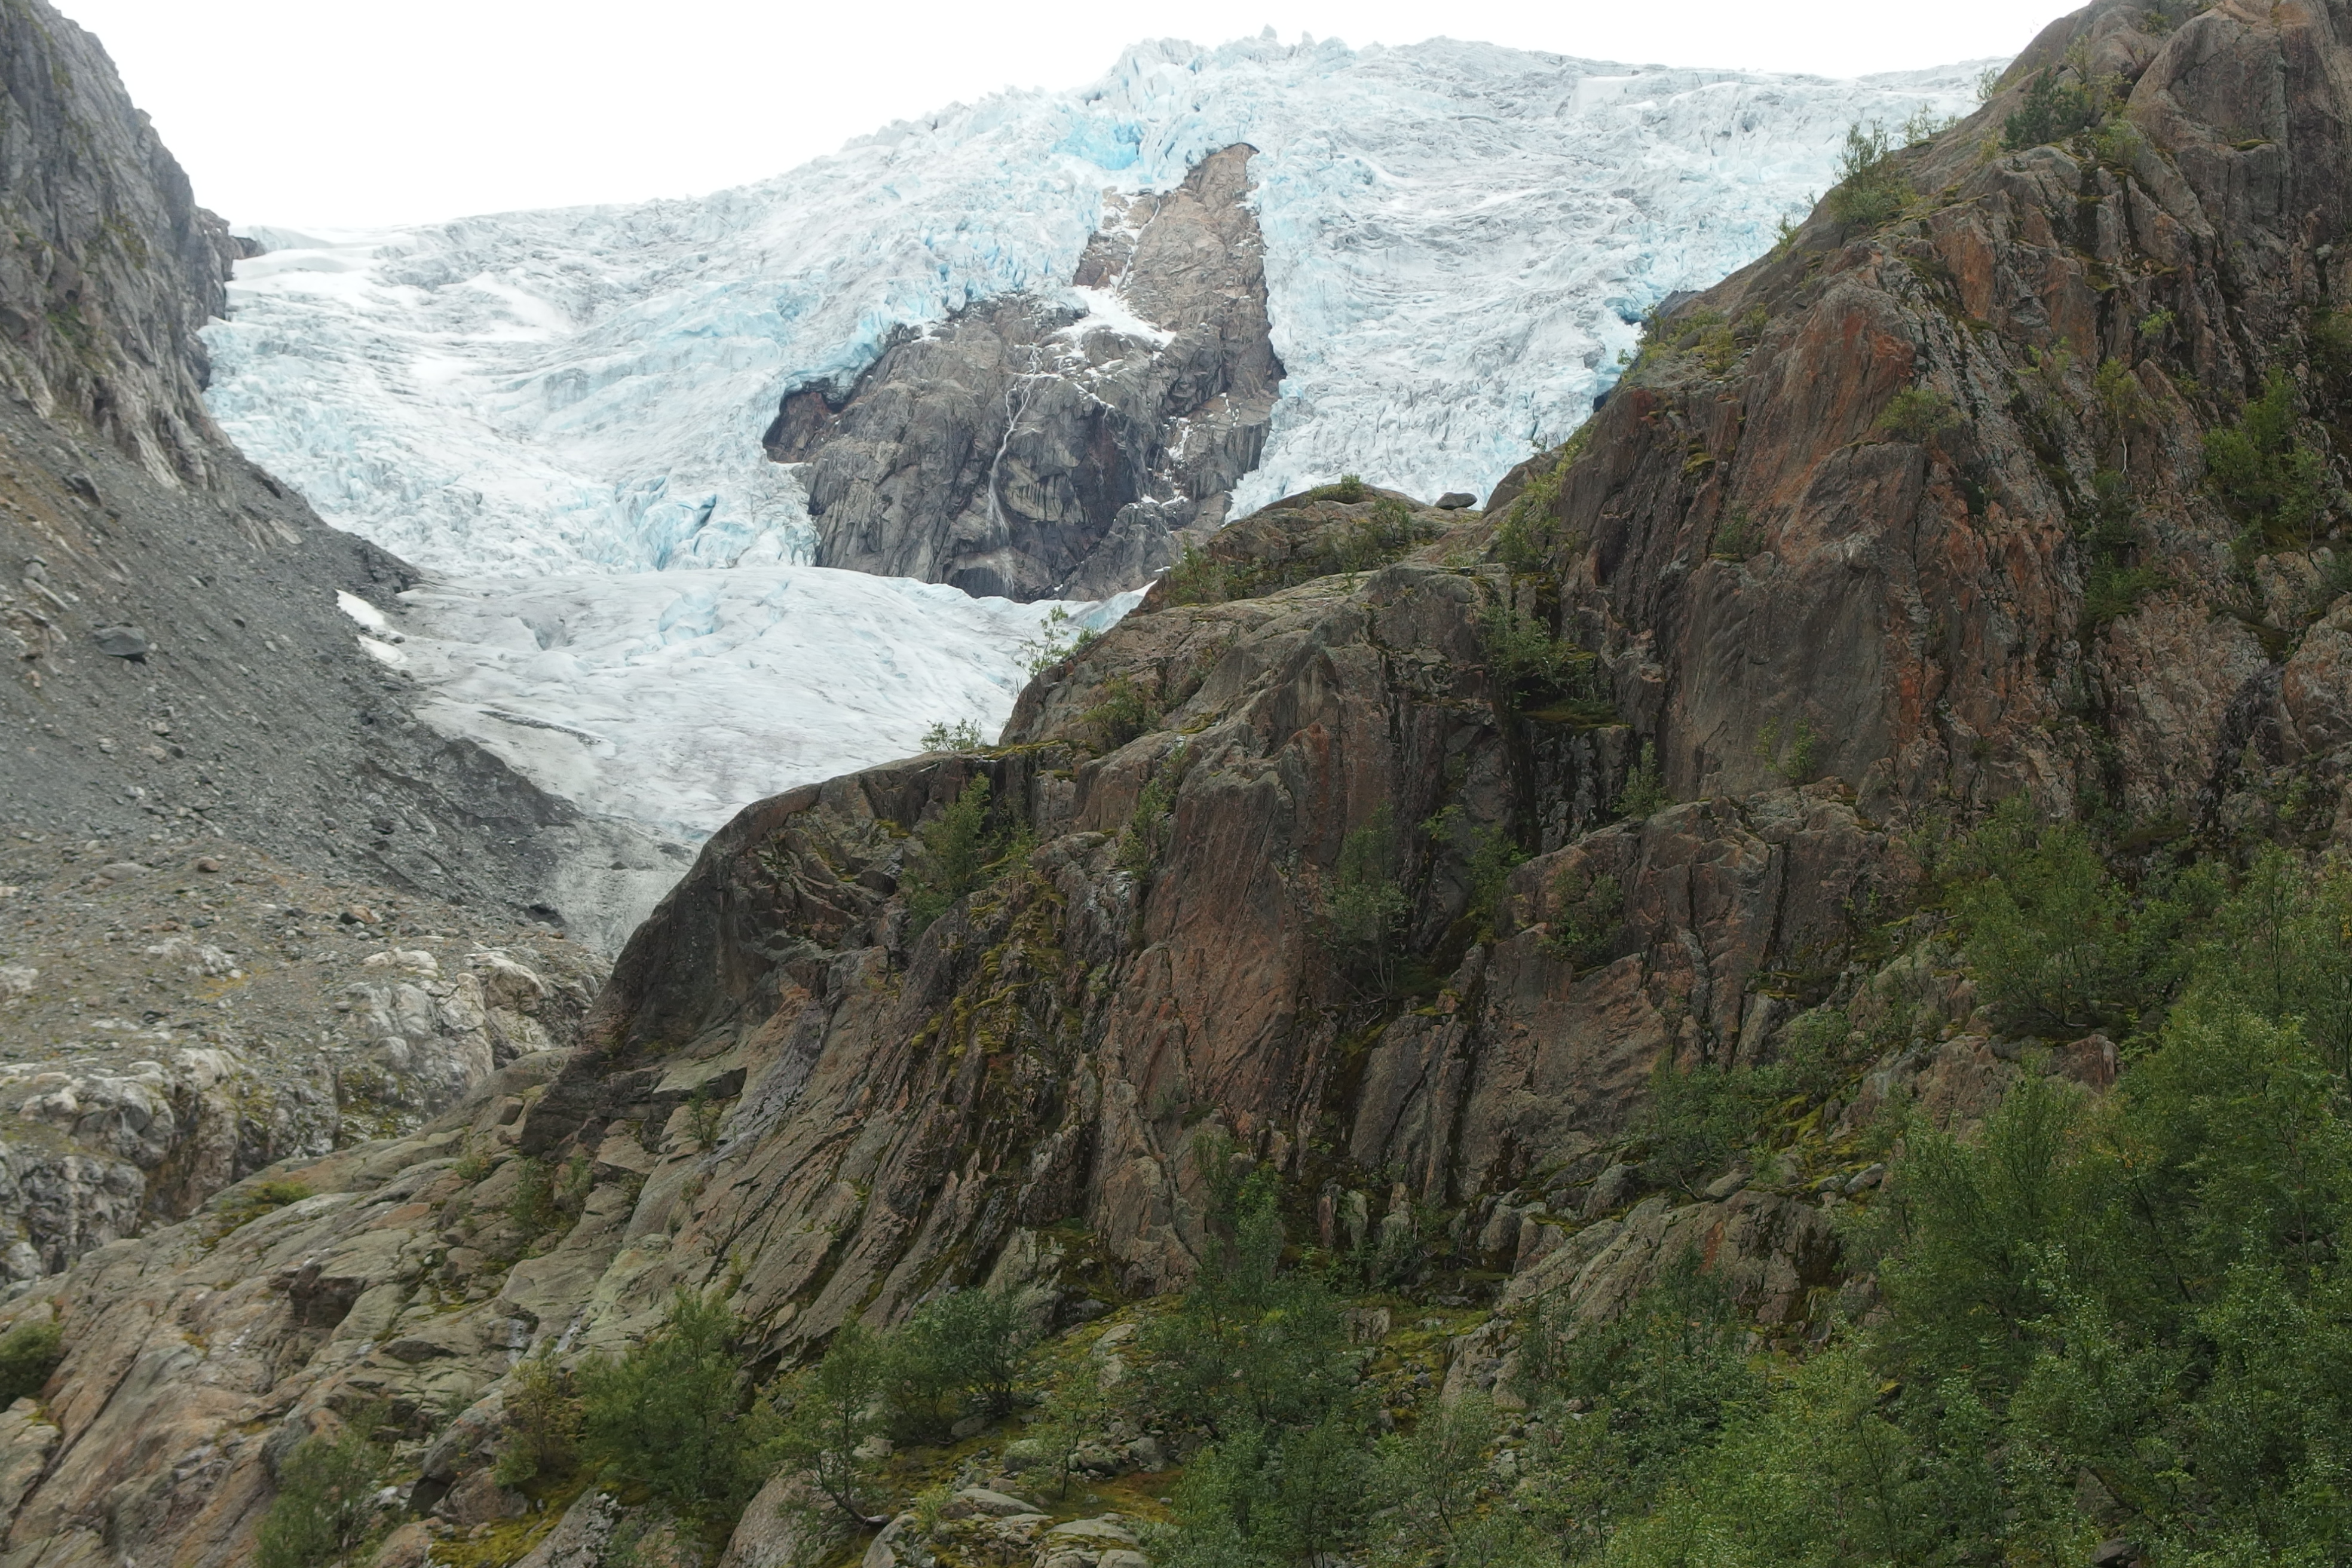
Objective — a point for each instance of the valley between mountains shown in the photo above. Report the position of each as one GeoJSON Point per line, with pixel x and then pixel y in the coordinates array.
{"type": "Point", "coordinates": [1771, 990]}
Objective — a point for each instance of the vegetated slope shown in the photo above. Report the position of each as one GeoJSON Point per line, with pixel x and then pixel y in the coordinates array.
{"type": "Point", "coordinates": [1352, 862]}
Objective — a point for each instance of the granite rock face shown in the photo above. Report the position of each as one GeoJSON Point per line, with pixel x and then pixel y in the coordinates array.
{"type": "Point", "coordinates": [1021, 448]}
{"type": "Point", "coordinates": [1765, 547]}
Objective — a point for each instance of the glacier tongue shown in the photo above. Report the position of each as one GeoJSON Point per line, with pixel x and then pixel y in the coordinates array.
{"type": "Point", "coordinates": [675, 699]}
{"type": "Point", "coordinates": [560, 412]}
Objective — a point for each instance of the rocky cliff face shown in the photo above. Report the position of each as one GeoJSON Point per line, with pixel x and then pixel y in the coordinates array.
{"type": "Point", "coordinates": [1024, 450]}
{"type": "Point", "coordinates": [112, 267]}
{"type": "Point", "coordinates": [1326, 848]}
{"type": "Point", "coordinates": [1761, 539]}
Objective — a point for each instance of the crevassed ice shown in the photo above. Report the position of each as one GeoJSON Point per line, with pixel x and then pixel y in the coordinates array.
{"type": "Point", "coordinates": [1460, 240]}
{"type": "Point", "coordinates": [559, 413]}
{"type": "Point", "coordinates": [674, 699]}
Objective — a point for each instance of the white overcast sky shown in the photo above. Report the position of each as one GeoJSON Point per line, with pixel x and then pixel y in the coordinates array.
{"type": "Point", "coordinates": [340, 112]}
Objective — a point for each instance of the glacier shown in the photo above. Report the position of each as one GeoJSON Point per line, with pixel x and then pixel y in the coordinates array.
{"type": "Point", "coordinates": [671, 699]}
{"type": "Point", "coordinates": [560, 411]}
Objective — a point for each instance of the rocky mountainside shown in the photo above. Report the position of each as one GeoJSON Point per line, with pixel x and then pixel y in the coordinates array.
{"type": "Point", "coordinates": [1410, 860]}
{"type": "Point", "coordinates": [168, 609]}
{"type": "Point", "coordinates": [1020, 449]}
{"type": "Point", "coordinates": [202, 773]}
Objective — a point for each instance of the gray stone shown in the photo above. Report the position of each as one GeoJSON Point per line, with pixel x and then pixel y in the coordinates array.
{"type": "Point", "coordinates": [777, 1526]}
{"type": "Point", "coordinates": [1612, 1190]}
{"type": "Point", "coordinates": [1456, 501]}
{"type": "Point", "coordinates": [579, 1537]}
{"type": "Point", "coordinates": [1013, 449]}
{"type": "Point", "coordinates": [979, 1502]}
{"type": "Point", "coordinates": [121, 641]}
{"type": "Point", "coordinates": [1025, 1454]}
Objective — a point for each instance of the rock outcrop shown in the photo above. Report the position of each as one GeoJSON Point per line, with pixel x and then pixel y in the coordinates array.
{"type": "Point", "coordinates": [1024, 449]}
{"type": "Point", "coordinates": [1853, 494]}
{"type": "Point", "coordinates": [1393, 848]}
{"type": "Point", "coordinates": [179, 1024]}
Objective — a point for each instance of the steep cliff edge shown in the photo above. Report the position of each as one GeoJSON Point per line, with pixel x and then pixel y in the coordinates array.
{"type": "Point", "coordinates": [1024, 450]}
{"type": "Point", "coordinates": [1358, 844]}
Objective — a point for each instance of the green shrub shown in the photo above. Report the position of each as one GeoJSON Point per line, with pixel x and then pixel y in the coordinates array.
{"type": "Point", "coordinates": [29, 1351]}
{"type": "Point", "coordinates": [2055, 107]}
{"type": "Point", "coordinates": [2113, 584]}
{"type": "Point", "coordinates": [1055, 642]}
{"type": "Point", "coordinates": [1252, 1346]}
{"type": "Point", "coordinates": [1366, 908]}
{"type": "Point", "coordinates": [1520, 646]}
{"type": "Point", "coordinates": [952, 855]}
{"type": "Point", "coordinates": [1430, 1481]}
{"type": "Point", "coordinates": [2114, 592]}
{"type": "Point", "coordinates": [2122, 399]}
{"type": "Point", "coordinates": [1145, 837]}
{"type": "Point", "coordinates": [1199, 578]}
{"type": "Point", "coordinates": [704, 1114]}
{"type": "Point", "coordinates": [532, 1206]}
{"type": "Point", "coordinates": [542, 1415]}
{"type": "Point", "coordinates": [1347, 492]}
{"type": "Point", "coordinates": [547, 1197]}
{"type": "Point", "coordinates": [2276, 947]}
{"type": "Point", "coordinates": [1658, 1383]}
{"type": "Point", "coordinates": [1698, 1119]}
{"type": "Point", "coordinates": [1871, 191]}
{"type": "Point", "coordinates": [1075, 1407]}
{"type": "Point", "coordinates": [959, 1354]}
{"type": "Point", "coordinates": [1588, 911]}
{"type": "Point", "coordinates": [1488, 855]}
{"type": "Point", "coordinates": [1261, 1496]}
{"type": "Point", "coordinates": [1256, 1357]}
{"type": "Point", "coordinates": [325, 1511]}
{"type": "Point", "coordinates": [2052, 939]}
{"type": "Point", "coordinates": [2265, 475]}
{"type": "Point", "coordinates": [832, 1408]}
{"type": "Point", "coordinates": [1917, 415]}
{"type": "Point", "coordinates": [1735, 537]}
{"type": "Point", "coordinates": [1125, 713]}
{"type": "Point", "coordinates": [675, 1415]}
{"type": "Point", "coordinates": [963, 735]}
{"type": "Point", "coordinates": [1645, 794]}
{"type": "Point", "coordinates": [1794, 762]}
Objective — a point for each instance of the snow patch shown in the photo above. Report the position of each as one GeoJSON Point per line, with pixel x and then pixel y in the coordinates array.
{"type": "Point", "coordinates": [1107, 311]}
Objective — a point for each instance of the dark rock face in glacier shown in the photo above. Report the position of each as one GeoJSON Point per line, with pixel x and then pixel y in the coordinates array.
{"type": "Point", "coordinates": [1026, 449]}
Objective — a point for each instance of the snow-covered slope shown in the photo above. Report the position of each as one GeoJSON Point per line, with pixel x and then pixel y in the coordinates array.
{"type": "Point", "coordinates": [1460, 238]}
